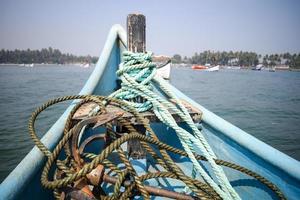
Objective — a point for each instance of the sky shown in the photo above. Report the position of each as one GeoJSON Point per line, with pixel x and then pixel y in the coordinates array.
{"type": "Point", "coordinates": [184, 27]}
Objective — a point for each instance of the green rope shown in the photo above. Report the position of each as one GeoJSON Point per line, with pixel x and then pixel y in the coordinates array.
{"type": "Point", "coordinates": [70, 175]}
{"type": "Point", "coordinates": [138, 80]}
{"type": "Point", "coordinates": [137, 74]}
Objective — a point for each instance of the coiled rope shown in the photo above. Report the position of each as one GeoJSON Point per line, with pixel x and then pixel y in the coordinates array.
{"type": "Point", "coordinates": [70, 173]}
{"type": "Point", "coordinates": [137, 74]}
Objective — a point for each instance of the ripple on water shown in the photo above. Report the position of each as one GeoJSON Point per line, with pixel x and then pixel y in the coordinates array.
{"type": "Point", "coordinates": [266, 105]}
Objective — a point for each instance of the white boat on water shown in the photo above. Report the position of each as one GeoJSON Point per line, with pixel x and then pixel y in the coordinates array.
{"type": "Point", "coordinates": [258, 67]}
{"type": "Point", "coordinates": [85, 65]}
{"type": "Point", "coordinates": [29, 65]}
{"type": "Point", "coordinates": [213, 69]}
{"type": "Point", "coordinates": [163, 66]}
{"type": "Point", "coordinates": [165, 71]}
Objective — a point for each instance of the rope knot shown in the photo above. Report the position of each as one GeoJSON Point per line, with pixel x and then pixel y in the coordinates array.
{"type": "Point", "coordinates": [137, 65]}
{"type": "Point", "coordinates": [136, 72]}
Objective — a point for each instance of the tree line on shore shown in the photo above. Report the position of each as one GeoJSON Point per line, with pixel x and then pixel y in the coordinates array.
{"type": "Point", "coordinates": [46, 55]}
{"type": "Point", "coordinates": [239, 58]}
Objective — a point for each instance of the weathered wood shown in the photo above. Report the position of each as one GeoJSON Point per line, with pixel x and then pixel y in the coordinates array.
{"type": "Point", "coordinates": [136, 33]}
{"type": "Point", "coordinates": [85, 109]}
{"type": "Point", "coordinates": [134, 147]}
{"type": "Point", "coordinates": [136, 42]}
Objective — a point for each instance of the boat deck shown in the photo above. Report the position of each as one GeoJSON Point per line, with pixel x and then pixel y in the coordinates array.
{"type": "Point", "coordinates": [86, 108]}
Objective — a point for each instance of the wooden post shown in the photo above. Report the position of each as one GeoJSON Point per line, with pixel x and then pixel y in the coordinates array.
{"type": "Point", "coordinates": [136, 42]}
{"type": "Point", "coordinates": [136, 33]}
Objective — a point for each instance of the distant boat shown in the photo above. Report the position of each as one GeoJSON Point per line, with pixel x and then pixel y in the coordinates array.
{"type": "Point", "coordinates": [199, 67]}
{"type": "Point", "coordinates": [206, 68]}
{"type": "Point", "coordinates": [29, 65]}
{"type": "Point", "coordinates": [163, 66]}
{"type": "Point", "coordinates": [213, 69]}
{"type": "Point", "coordinates": [258, 67]}
{"type": "Point", "coordinates": [164, 72]}
{"type": "Point", "coordinates": [85, 65]}
{"type": "Point", "coordinates": [282, 67]}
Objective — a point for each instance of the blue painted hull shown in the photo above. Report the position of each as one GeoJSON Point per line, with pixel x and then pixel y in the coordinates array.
{"type": "Point", "coordinates": [228, 142]}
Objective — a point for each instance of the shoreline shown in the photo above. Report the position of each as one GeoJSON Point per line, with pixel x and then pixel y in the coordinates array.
{"type": "Point", "coordinates": [93, 64]}
{"type": "Point", "coordinates": [43, 64]}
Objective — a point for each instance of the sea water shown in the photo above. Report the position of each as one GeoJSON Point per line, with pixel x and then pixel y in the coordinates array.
{"type": "Point", "coordinates": [264, 104]}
